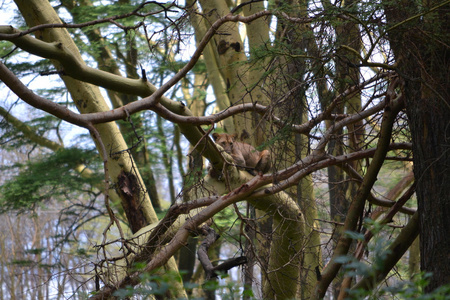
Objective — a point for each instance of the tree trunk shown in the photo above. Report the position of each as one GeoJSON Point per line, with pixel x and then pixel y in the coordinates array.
{"type": "Point", "coordinates": [347, 37]}
{"type": "Point", "coordinates": [414, 259]}
{"type": "Point", "coordinates": [425, 69]}
{"type": "Point", "coordinates": [213, 71]}
{"type": "Point", "coordinates": [292, 70]}
{"type": "Point", "coordinates": [88, 99]}
{"type": "Point", "coordinates": [107, 62]}
{"type": "Point", "coordinates": [429, 121]}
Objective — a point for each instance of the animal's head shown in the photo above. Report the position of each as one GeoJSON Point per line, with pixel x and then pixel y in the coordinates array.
{"type": "Point", "coordinates": [225, 140]}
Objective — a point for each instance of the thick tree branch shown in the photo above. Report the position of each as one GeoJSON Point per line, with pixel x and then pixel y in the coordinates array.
{"type": "Point", "coordinates": [24, 93]}
{"type": "Point", "coordinates": [291, 176]}
{"type": "Point", "coordinates": [285, 211]}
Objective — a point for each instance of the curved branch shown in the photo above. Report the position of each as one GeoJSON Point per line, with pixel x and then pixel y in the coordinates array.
{"type": "Point", "coordinates": [168, 113]}
{"type": "Point", "coordinates": [86, 120]}
{"type": "Point", "coordinates": [28, 131]}
{"type": "Point", "coordinates": [212, 272]}
{"type": "Point", "coordinates": [10, 36]}
{"type": "Point", "coordinates": [24, 93]}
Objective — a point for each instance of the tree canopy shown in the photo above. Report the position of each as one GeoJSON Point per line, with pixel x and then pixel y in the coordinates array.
{"type": "Point", "coordinates": [336, 118]}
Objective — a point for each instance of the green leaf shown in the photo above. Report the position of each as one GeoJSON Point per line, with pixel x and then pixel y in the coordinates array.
{"type": "Point", "coordinates": [51, 177]}
{"type": "Point", "coordinates": [35, 251]}
{"type": "Point", "coordinates": [355, 235]}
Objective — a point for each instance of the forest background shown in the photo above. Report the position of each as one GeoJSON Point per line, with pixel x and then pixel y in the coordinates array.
{"type": "Point", "coordinates": [112, 186]}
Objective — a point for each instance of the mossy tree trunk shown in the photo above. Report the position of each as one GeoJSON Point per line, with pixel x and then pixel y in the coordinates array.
{"type": "Point", "coordinates": [106, 61]}
{"type": "Point", "coordinates": [244, 84]}
{"type": "Point", "coordinates": [87, 97]}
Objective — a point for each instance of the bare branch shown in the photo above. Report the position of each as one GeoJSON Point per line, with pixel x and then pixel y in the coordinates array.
{"type": "Point", "coordinates": [357, 205]}
{"type": "Point", "coordinates": [112, 20]}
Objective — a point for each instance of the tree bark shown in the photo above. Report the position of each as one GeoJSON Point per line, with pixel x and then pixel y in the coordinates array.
{"type": "Point", "coordinates": [418, 39]}
{"type": "Point", "coordinates": [88, 99]}
{"type": "Point", "coordinates": [347, 37]}
{"type": "Point", "coordinates": [105, 60]}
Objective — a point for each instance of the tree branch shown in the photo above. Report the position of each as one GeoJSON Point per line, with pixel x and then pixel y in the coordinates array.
{"type": "Point", "coordinates": [212, 272]}
{"type": "Point", "coordinates": [28, 131]}
{"type": "Point", "coordinates": [392, 254]}
{"type": "Point", "coordinates": [357, 205]}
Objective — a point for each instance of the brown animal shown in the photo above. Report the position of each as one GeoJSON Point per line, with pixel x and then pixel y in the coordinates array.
{"type": "Point", "coordinates": [244, 155]}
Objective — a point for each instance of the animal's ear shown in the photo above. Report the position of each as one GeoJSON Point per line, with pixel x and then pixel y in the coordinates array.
{"type": "Point", "coordinates": [215, 136]}
{"type": "Point", "coordinates": [233, 136]}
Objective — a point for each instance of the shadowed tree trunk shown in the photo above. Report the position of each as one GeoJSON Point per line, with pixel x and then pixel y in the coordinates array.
{"type": "Point", "coordinates": [349, 42]}
{"type": "Point", "coordinates": [425, 64]}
